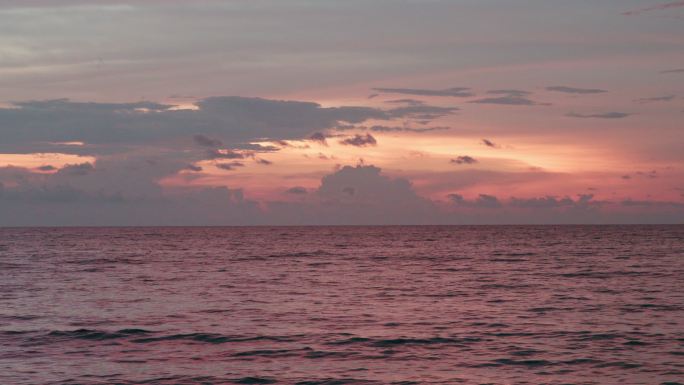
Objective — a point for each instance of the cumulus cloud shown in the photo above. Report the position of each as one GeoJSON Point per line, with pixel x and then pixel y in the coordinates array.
{"type": "Point", "coordinates": [77, 169]}
{"type": "Point", "coordinates": [360, 141]}
{"type": "Point", "coordinates": [464, 159]}
{"type": "Point", "coordinates": [482, 201]}
{"type": "Point", "coordinates": [574, 90]}
{"type": "Point", "coordinates": [604, 115]}
{"type": "Point", "coordinates": [454, 91]}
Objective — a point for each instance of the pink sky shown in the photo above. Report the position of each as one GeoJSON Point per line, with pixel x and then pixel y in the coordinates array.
{"type": "Point", "coordinates": [297, 112]}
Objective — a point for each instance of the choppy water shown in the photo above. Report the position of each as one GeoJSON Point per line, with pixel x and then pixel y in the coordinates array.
{"type": "Point", "coordinates": [342, 305]}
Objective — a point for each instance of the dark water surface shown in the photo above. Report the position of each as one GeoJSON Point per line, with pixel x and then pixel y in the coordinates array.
{"type": "Point", "coordinates": [342, 305]}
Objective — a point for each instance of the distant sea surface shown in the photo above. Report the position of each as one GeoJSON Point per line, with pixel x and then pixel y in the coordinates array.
{"type": "Point", "coordinates": [342, 305]}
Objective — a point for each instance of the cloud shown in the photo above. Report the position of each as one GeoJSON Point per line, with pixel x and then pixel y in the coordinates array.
{"type": "Point", "coordinates": [660, 7]}
{"type": "Point", "coordinates": [548, 202]}
{"type": "Point", "coordinates": [464, 159]}
{"type": "Point", "coordinates": [410, 102]}
{"type": "Point", "coordinates": [454, 91]}
{"type": "Point", "coordinates": [107, 127]}
{"type": "Point", "coordinates": [228, 154]}
{"type": "Point", "coordinates": [510, 100]}
{"type": "Point", "coordinates": [360, 141]}
{"type": "Point", "coordinates": [510, 92]}
{"type": "Point", "coordinates": [423, 112]}
{"type": "Point", "coordinates": [573, 90]}
{"type": "Point", "coordinates": [47, 168]}
{"type": "Point", "coordinates": [482, 201]}
{"type": "Point", "coordinates": [77, 169]}
{"type": "Point", "coordinates": [229, 166]}
{"type": "Point", "coordinates": [297, 190]}
{"type": "Point", "coordinates": [380, 128]}
{"type": "Point", "coordinates": [264, 162]}
{"type": "Point", "coordinates": [206, 141]}
{"type": "Point", "coordinates": [318, 137]}
{"type": "Point", "coordinates": [489, 143]}
{"type": "Point", "coordinates": [604, 115]}
{"type": "Point", "coordinates": [193, 167]}
{"type": "Point", "coordinates": [666, 98]}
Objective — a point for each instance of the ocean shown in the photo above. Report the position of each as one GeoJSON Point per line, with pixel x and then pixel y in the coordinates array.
{"type": "Point", "coordinates": [342, 305]}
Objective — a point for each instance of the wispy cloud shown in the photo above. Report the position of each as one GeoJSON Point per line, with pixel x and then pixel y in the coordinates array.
{"type": "Point", "coordinates": [454, 91]}
{"type": "Point", "coordinates": [575, 90]}
{"type": "Point", "coordinates": [659, 7]}
{"type": "Point", "coordinates": [604, 115]}
{"type": "Point", "coordinates": [509, 100]}
{"type": "Point", "coordinates": [666, 98]}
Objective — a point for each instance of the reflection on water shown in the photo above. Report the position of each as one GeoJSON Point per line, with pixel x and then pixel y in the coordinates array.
{"type": "Point", "coordinates": [342, 305]}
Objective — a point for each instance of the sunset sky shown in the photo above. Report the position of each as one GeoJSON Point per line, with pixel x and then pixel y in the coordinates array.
{"type": "Point", "coordinates": [341, 112]}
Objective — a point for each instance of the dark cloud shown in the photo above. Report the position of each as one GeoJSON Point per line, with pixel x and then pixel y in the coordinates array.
{"type": "Point", "coordinates": [206, 141]}
{"type": "Point", "coordinates": [77, 169]}
{"type": "Point", "coordinates": [47, 168]}
{"type": "Point", "coordinates": [360, 141]}
{"type": "Point", "coordinates": [604, 115]}
{"type": "Point", "coordinates": [297, 190]}
{"type": "Point", "coordinates": [454, 91]}
{"type": "Point", "coordinates": [574, 90]}
{"type": "Point", "coordinates": [106, 127]}
{"type": "Point", "coordinates": [464, 159]}
{"type": "Point", "coordinates": [489, 143]}
{"type": "Point", "coordinates": [659, 7]}
{"type": "Point", "coordinates": [264, 162]}
{"type": "Point", "coordinates": [229, 166]}
{"type": "Point", "coordinates": [482, 201]}
{"type": "Point", "coordinates": [510, 100]}
{"type": "Point", "coordinates": [549, 202]}
{"type": "Point", "coordinates": [318, 137]}
{"type": "Point", "coordinates": [666, 98]}
{"type": "Point", "coordinates": [193, 167]}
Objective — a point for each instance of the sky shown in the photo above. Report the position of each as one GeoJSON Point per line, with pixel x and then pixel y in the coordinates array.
{"type": "Point", "coordinates": [307, 112]}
